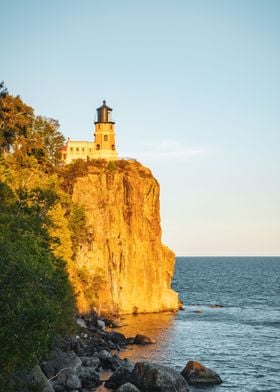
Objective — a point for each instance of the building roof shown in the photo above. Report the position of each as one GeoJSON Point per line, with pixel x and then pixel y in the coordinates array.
{"type": "Point", "coordinates": [104, 106]}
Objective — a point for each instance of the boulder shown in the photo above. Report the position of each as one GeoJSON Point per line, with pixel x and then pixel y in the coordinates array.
{"type": "Point", "coordinates": [36, 380]}
{"type": "Point", "coordinates": [109, 361]}
{"type": "Point", "coordinates": [128, 387]}
{"type": "Point", "coordinates": [101, 324]}
{"type": "Point", "coordinates": [92, 362]}
{"type": "Point", "coordinates": [197, 374]}
{"type": "Point", "coordinates": [78, 346]}
{"type": "Point", "coordinates": [120, 376]}
{"type": "Point", "coordinates": [96, 343]}
{"type": "Point", "coordinates": [81, 323]}
{"type": "Point", "coordinates": [62, 369]}
{"type": "Point", "coordinates": [59, 360]}
{"type": "Point", "coordinates": [66, 379]}
{"type": "Point", "coordinates": [116, 324]}
{"type": "Point", "coordinates": [151, 377]}
{"type": "Point", "coordinates": [104, 355]}
{"type": "Point", "coordinates": [89, 377]}
{"type": "Point", "coordinates": [73, 382]}
{"type": "Point", "coordinates": [143, 339]}
{"type": "Point", "coordinates": [130, 340]}
{"type": "Point", "coordinates": [117, 338]}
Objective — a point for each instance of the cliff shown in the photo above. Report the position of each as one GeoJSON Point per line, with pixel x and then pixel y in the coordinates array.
{"type": "Point", "coordinates": [121, 266]}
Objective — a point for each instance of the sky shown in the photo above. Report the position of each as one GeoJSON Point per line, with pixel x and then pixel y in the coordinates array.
{"type": "Point", "coordinates": [195, 91]}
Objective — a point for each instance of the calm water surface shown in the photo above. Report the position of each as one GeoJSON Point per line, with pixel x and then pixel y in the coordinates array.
{"type": "Point", "coordinates": [241, 341]}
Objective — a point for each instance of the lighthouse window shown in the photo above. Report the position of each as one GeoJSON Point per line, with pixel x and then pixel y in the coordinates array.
{"type": "Point", "coordinates": [105, 138]}
{"type": "Point", "coordinates": [83, 149]}
{"type": "Point", "coordinates": [77, 148]}
{"type": "Point", "coordinates": [71, 148]}
{"type": "Point", "coordinates": [97, 147]}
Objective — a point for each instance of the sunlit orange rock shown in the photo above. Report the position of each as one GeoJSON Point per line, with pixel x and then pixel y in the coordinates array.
{"type": "Point", "coordinates": [197, 374]}
{"type": "Point", "coordinates": [122, 267]}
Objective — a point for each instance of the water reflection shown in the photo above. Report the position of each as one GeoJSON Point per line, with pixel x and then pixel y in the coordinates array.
{"type": "Point", "coordinates": [157, 326]}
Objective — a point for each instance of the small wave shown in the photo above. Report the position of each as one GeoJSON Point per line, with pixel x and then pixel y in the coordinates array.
{"type": "Point", "coordinates": [274, 324]}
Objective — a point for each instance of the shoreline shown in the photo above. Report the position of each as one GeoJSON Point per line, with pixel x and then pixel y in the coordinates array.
{"type": "Point", "coordinates": [94, 360]}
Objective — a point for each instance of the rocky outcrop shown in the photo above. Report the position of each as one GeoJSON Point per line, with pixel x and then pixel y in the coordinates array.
{"type": "Point", "coordinates": [143, 339]}
{"type": "Point", "coordinates": [121, 266]}
{"type": "Point", "coordinates": [150, 377]}
{"type": "Point", "coordinates": [197, 374]}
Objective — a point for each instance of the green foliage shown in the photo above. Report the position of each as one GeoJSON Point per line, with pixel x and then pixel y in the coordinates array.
{"type": "Point", "coordinates": [23, 134]}
{"type": "Point", "coordinates": [70, 172]}
{"type": "Point", "coordinates": [93, 283]}
{"type": "Point", "coordinates": [36, 301]}
{"type": "Point", "coordinates": [112, 166]}
{"type": "Point", "coordinates": [40, 228]}
{"type": "Point", "coordinates": [77, 225]}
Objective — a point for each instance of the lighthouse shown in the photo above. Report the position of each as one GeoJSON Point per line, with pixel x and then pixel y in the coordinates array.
{"type": "Point", "coordinates": [103, 146]}
{"type": "Point", "coordinates": [104, 136]}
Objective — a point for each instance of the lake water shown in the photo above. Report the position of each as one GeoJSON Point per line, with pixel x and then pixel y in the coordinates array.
{"type": "Point", "coordinates": [241, 340]}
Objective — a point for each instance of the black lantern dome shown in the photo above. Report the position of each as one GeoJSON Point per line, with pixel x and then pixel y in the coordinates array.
{"type": "Point", "coordinates": [104, 114]}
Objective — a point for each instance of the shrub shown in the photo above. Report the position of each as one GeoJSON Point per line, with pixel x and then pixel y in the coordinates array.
{"type": "Point", "coordinates": [36, 301]}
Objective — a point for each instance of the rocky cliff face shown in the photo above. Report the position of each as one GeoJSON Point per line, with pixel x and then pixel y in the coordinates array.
{"type": "Point", "coordinates": [122, 266]}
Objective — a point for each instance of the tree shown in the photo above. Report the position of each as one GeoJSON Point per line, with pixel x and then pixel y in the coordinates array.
{"type": "Point", "coordinates": [24, 134]}
{"type": "Point", "coordinates": [16, 119]}
{"type": "Point", "coordinates": [36, 301]}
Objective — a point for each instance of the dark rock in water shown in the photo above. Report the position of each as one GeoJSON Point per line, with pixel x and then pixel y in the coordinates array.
{"type": "Point", "coordinates": [120, 376]}
{"type": "Point", "coordinates": [128, 387]}
{"type": "Point", "coordinates": [197, 374]}
{"type": "Point", "coordinates": [117, 338]}
{"type": "Point", "coordinates": [113, 346]}
{"type": "Point", "coordinates": [127, 363]}
{"type": "Point", "coordinates": [130, 341]}
{"type": "Point", "coordinates": [181, 305]}
{"type": "Point", "coordinates": [143, 339]}
{"type": "Point", "coordinates": [89, 377]}
{"type": "Point", "coordinates": [216, 306]}
{"type": "Point", "coordinates": [150, 377]}
{"type": "Point", "coordinates": [92, 362]}
{"type": "Point", "coordinates": [116, 324]}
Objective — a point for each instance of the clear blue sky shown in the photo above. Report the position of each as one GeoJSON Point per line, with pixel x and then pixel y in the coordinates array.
{"type": "Point", "coordinates": [195, 88]}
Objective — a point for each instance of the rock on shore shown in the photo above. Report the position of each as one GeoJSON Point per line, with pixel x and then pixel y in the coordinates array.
{"type": "Point", "coordinates": [151, 377]}
{"type": "Point", "coordinates": [197, 374]}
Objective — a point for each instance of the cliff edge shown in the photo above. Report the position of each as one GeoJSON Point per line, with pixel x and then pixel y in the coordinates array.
{"type": "Point", "coordinates": [121, 266]}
